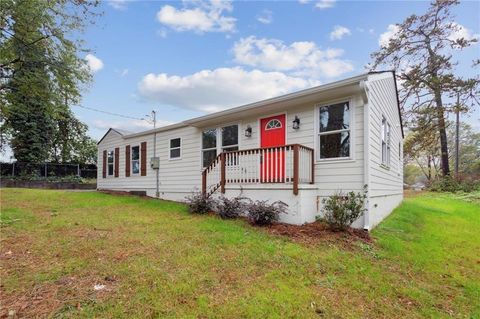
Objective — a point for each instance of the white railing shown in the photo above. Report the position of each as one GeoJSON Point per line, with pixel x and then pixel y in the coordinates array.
{"type": "Point", "coordinates": [289, 164]}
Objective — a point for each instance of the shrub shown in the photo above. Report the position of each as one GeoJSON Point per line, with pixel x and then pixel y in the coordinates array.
{"type": "Point", "coordinates": [452, 185]}
{"type": "Point", "coordinates": [262, 213]}
{"type": "Point", "coordinates": [341, 210]}
{"type": "Point", "coordinates": [230, 208]}
{"type": "Point", "coordinates": [199, 203]}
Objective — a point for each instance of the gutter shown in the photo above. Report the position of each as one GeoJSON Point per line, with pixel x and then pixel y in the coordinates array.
{"type": "Point", "coordinates": [366, 153]}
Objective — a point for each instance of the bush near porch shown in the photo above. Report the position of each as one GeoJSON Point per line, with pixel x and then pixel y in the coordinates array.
{"type": "Point", "coordinates": [150, 258]}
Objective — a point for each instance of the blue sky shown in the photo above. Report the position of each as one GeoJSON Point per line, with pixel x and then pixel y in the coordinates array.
{"type": "Point", "coordinates": [185, 59]}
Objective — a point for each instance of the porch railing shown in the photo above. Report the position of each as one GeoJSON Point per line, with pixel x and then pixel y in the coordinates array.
{"type": "Point", "coordinates": [290, 164]}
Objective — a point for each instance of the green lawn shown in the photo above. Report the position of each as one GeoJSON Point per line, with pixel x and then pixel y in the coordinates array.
{"type": "Point", "coordinates": [155, 260]}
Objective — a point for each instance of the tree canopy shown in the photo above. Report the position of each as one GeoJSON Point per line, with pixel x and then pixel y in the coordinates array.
{"type": "Point", "coordinates": [42, 73]}
{"type": "Point", "coordinates": [422, 52]}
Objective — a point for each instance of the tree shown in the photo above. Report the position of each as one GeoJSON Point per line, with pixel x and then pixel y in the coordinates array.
{"type": "Point", "coordinates": [41, 69]}
{"type": "Point", "coordinates": [469, 159]}
{"type": "Point", "coordinates": [422, 150]}
{"type": "Point", "coordinates": [71, 143]}
{"type": "Point", "coordinates": [421, 53]}
{"type": "Point", "coordinates": [29, 97]}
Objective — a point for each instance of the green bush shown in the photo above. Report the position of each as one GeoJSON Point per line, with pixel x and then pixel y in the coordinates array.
{"type": "Point", "coordinates": [453, 185]}
{"type": "Point", "coordinates": [340, 210]}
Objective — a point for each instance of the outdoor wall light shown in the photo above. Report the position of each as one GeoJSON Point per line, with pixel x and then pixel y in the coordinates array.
{"type": "Point", "coordinates": [248, 131]}
{"type": "Point", "coordinates": [296, 123]}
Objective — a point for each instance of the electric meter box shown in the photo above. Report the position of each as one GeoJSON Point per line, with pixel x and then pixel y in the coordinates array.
{"type": "Point", "coordinates": [155, 162]}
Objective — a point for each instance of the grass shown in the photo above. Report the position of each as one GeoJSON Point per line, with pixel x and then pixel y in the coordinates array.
{"type": "Point", "coordinates": [156, 260]}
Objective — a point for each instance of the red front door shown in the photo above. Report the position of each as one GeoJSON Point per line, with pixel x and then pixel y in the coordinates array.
{"type": "Point", "coordinates": [272, 135]}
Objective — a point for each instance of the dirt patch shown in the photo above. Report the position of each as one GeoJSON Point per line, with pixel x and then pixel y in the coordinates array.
{"type": "Point", "coordinates": [317, 232]}
{"type": "Point", "coordinates": [48, 298]}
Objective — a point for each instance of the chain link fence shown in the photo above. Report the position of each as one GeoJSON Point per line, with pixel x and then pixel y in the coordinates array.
{"type": "Point", "coordinates": [17, 169]}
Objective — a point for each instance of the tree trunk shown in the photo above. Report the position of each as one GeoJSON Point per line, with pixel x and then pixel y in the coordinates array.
{"type": "Point", "coordinates": [457, 136]}
{"type": "Point", "coordinates": [443, 134]}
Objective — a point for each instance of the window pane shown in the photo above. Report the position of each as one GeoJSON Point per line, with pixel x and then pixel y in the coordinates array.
{"type": "Point", "coordinates": [209, 138]}
{"type": "Point", "coordinates": [230, 135]}
{"type": "Point", "coordinates": [230, 149]}
{"type": "Point", "coordinates": [335, 145]}
{"type": "Point", "coordinates": [334, 117]}
{"type": "Point", "coordinates": [383, 129]}
{"type": "Point", "coordinates": [175, 153]}
{"type": "Point", "coordinates": [175, 143]}
{"type": "Point", "coordinates": [135, 153]}
{"type": "Point", "coordinates": [208, 157]}
{"type": "Point", "coordinates": [135, 167]}
{"type": "Point", "coordinates": [110, 169]}
{"type": "Point", "coordinates": [384, 153]}
{"type": "Point", "coordinates": [110, 156]}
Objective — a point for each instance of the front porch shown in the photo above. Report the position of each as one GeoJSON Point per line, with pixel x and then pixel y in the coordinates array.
{"type": "Point", "coordinates": [288, 166]}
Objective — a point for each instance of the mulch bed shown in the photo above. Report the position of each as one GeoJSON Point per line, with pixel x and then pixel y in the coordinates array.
{"type": "Point", "coordinates": [317, 232]}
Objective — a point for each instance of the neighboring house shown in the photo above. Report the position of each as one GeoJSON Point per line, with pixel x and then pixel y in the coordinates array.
{"type": "Point", "coordinates": [298, 148]}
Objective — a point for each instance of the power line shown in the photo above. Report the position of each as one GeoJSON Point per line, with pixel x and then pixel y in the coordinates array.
{"type": "Point", "coordinates": [111, 113]}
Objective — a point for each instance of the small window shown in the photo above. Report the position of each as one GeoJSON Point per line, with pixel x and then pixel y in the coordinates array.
{"type": "Point", "coordinates": [386, 145]}
{"type": "Point", "coordinates": [175, 148]}
{"type": "Point", "coordinates": [209, 146]}
{"type": "Point", "coordinates": [110, 160]}
{"type": "Point", "coordinates": [334, 131]}
{"type": "Point", "coordinates": [273, 124]}
{"type": "Point", "coordinates": [135, 159]}
{"type": "Point", "coordinates": [230, 138]}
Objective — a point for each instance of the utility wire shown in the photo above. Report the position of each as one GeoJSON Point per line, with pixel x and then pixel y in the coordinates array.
{"type": "Point", "coordinates": [111, 113]}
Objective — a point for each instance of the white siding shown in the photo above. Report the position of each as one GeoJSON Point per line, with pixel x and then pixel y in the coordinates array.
{"type": "Point", "coordinates": [134, 182]}
{"type": "Point", "coordinates": [179, 177]}
{"type": "Point", "coordinates": [385, 184]}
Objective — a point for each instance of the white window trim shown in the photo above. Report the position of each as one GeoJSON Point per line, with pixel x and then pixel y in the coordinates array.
{"type": "Point", "coordinates": [170, 158]}
{"type": "Point", "coordinates": [113, 163]}
{"type": "Point", "coordinates": [218, 145]}
{"type": "Point", "coordinates": [317, 134]}
{"type": "Point", "coordinates": [139, 160]}
{"type": "Point", "coordinates": [388, 148]}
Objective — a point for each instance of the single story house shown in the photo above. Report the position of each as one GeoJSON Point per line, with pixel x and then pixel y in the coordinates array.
{"type": "Point", "coordinates": [298, 148]}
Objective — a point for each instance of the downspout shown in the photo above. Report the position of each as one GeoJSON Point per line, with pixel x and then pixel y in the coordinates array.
{"type": "Point", "coordinates": [366, 152]}
{"type": "Point", "coordinates": [157, 171]}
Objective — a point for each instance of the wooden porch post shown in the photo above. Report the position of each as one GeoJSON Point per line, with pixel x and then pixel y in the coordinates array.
{"type": "Point", "coordinates": [222, 172]}
{"type": "Point", "coordinates": [204, 182]}
{"type": "Point", "coordinates": [312, 179]}
{"type": "Point", "coordinates": [295, 169]}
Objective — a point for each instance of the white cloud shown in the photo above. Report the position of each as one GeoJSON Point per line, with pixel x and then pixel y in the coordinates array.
{"type": "Point", "coordinates": [339, 32]}
{"type": "Point", "coordinates": [385, 37]}
{"type": "Point", "coordinates": [300, 58]}
{"type": "Point", "coordinates": [93, 63]}
{"type": "Point", "coordinates": [124, 72]}
{"type": "Point", "coordinates": [461, 32]}
{"type": "Point", "coordinates": [325, 4]}
{"type": "Point", "coordinates": [266, 17]}
{"type": "Point", "coordinates": [303, 1]}
{"type": "Point", "coordinates": [118, 4]}
{"type": "Point", "coordinates": [198, 16]}
{"type": "Point", "coordinates": [128, 125]}
{"type": "Point", "coordinates": [218, 89]}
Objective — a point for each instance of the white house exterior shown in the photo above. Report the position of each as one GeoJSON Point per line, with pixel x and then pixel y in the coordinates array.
{"type": "Point", "coordinates": [298, 148]}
